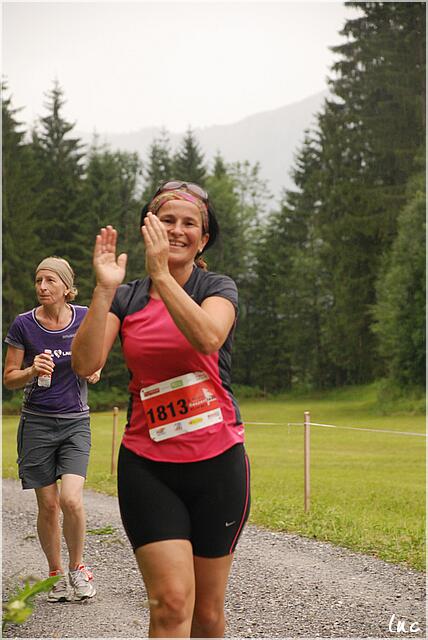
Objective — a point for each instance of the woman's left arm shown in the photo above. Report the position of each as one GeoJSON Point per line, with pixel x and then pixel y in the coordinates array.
{"type": "Point", "coordinates": [207, 326]}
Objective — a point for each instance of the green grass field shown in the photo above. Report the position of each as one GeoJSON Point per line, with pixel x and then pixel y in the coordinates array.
{"type": "Point", "coordinates": [367, 489]}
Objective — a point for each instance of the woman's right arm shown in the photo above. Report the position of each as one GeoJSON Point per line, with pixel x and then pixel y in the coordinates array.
{"type": "Point", "coordinates": [14, 377]}
{"type": "Point", "coordinates": [97, 333]}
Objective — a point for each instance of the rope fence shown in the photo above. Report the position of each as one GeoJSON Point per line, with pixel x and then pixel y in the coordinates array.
{"type": "Point", "coordinates": [306, 424]}
{"type": "Point", "coordinates": [335, 426]}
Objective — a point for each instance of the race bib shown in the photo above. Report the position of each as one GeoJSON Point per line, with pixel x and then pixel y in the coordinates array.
{"type": "Point", "coordinates": [180, 405]}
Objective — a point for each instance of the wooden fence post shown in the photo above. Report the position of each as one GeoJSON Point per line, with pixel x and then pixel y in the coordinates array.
{"type": "Point", "coordinates": [113, 443]}
{"type": "Point", "coordinates": [307, 460]}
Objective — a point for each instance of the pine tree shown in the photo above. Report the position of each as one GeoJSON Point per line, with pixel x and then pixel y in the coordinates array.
{"type": "Point", "coordinates": [59, 160]}
{"type": "Point", "coordinates": [251, 196]}
{"type": "Point", "coordinates": [111, 195]}
{"type": "Point", "coordinates": [400, 306]}
{"type": "Point", "coordinates": [367, 137]}
{"type": "Point", "coordinates": [252, 191]}
{"type": "Point", "coordinates": [229, 252]}
{"type": "Point", "coordinates": [347, 232]}
{"type": "Point", "coordinates": [381, 81]}
{"type": "Point", "coordinates": [158, 166]}
{"type": "Point", "coordinates": [188, 163]}
{"type": "Point", "coordinates": [267, 337]}
{"type": "Point", "coordinates": [304, 291]}
{"type": "Point", "coordinates": [20, 243]}
{"type": "Point", "coordinates": [287, 296]}
{"type": "Point", "coordinates": [220, 166]}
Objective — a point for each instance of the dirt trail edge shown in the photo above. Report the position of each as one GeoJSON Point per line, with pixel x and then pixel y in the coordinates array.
{"type": "Point", "coordinates": [281, 585]}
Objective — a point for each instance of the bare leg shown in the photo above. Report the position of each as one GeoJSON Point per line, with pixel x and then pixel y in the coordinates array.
{"type": "Point", "coordinates": [48, 525]}
{"type": "Point", "coordinates": [167, 569]}
{"type": "Point", "coordinates": [211, 576]}
{"type": "Point", "coordinates": [71, 501]}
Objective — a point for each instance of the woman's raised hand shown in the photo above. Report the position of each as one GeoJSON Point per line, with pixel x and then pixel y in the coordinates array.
{"type": "Point", "coordinates": [156, 244]}
{"type": "Point", "coordinates": [109, 272]}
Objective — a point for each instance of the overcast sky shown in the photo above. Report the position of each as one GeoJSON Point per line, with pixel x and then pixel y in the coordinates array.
{"type": "Point", "coordinates": [129, 65]}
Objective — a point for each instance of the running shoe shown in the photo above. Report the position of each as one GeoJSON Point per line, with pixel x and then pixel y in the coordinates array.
{"type": "Point", "coordinates": [82, 582]}
{"type": "Point", "coordinates": [60, 591]}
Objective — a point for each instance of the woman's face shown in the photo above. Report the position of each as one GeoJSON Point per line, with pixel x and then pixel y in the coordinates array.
{"type": "Point", "coordinates": [50, 289]}
{"type": "Point", "coordinates": [183, 223]}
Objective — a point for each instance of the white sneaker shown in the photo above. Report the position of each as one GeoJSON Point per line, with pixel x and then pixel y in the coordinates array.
{"type": "Point", "coordinates": [60, 591]}
{"type": "Point", "coordinates": [82, 582]}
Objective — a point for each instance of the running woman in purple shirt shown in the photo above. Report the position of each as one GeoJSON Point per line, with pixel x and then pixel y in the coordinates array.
{"type": "Point", "coordinates": [54, 436]}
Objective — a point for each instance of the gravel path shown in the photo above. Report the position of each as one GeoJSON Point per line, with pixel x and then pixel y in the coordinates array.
{"type": "Point", "coordinates": [281, 585]}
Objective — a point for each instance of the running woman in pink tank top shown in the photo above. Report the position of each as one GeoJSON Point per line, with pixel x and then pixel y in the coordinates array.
{"type": "Point", "coordinates": [183, 474]}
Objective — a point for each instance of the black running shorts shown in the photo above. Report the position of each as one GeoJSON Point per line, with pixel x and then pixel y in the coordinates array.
{"type": "Point", "coordinates": [206, 502]}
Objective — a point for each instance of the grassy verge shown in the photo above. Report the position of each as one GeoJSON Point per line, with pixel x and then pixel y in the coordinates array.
{"type": "Point", "coordinates": [367, 489]}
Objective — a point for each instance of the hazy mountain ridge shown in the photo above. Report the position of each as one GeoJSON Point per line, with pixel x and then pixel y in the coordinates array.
{"type": "Point", "coordinates": [271, 138]}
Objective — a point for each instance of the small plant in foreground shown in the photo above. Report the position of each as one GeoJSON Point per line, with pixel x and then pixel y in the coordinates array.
{"type": "Point", "coordinates": [20, 605]}
{"type": "Point", "coordinates": [104, 531]}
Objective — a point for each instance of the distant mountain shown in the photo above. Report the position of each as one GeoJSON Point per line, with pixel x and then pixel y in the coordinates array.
{"type": "Point", "coordinates": [271, 138]}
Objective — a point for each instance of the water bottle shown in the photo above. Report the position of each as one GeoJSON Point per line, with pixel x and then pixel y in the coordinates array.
{"type": "Point", "coordinates": [45, 380]}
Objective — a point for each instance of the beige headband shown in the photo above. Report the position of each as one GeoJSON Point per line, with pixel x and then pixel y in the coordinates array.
{"type": "Point", "coordinates": [61, 268]}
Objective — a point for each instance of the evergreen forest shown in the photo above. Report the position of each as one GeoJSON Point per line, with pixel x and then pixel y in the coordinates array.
{"type": "Point", "coordinates": [331, 280]}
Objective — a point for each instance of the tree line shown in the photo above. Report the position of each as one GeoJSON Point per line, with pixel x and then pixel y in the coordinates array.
{"type": "Point", "coordinates": [331, 280]}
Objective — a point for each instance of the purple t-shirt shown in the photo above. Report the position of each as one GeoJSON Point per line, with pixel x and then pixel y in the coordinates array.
{"type": "Point", "coordinates": [67, 396]}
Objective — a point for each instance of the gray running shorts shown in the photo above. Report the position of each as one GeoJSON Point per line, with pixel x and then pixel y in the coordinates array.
{"type": "Point", "coordinates": [49, 447]}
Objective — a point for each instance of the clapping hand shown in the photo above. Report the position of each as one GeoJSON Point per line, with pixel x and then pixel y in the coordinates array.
{"type": "Point", "coordinates": [157, 245]}
{"type": "Point", "coordinates": [109, 272]}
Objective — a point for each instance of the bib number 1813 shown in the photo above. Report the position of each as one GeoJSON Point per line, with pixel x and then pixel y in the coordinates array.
{"type": "Point", "coordinates": [180, 405]}
{"type": "Point", "coordinates": [163, 412]}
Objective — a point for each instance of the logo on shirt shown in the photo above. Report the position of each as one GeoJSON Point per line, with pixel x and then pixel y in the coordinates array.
{"type": "Point", "coordinates": [58, 353]}
{"type": "Point", "coordinates": [152, 392]}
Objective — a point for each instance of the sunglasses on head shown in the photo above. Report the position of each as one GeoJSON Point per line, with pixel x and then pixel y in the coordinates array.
{"type": "Point", "coordinates": [173, 185]}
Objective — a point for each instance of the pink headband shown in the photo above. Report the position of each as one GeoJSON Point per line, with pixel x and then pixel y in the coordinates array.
{"type": "Point", "coordinates": [180, 194]}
